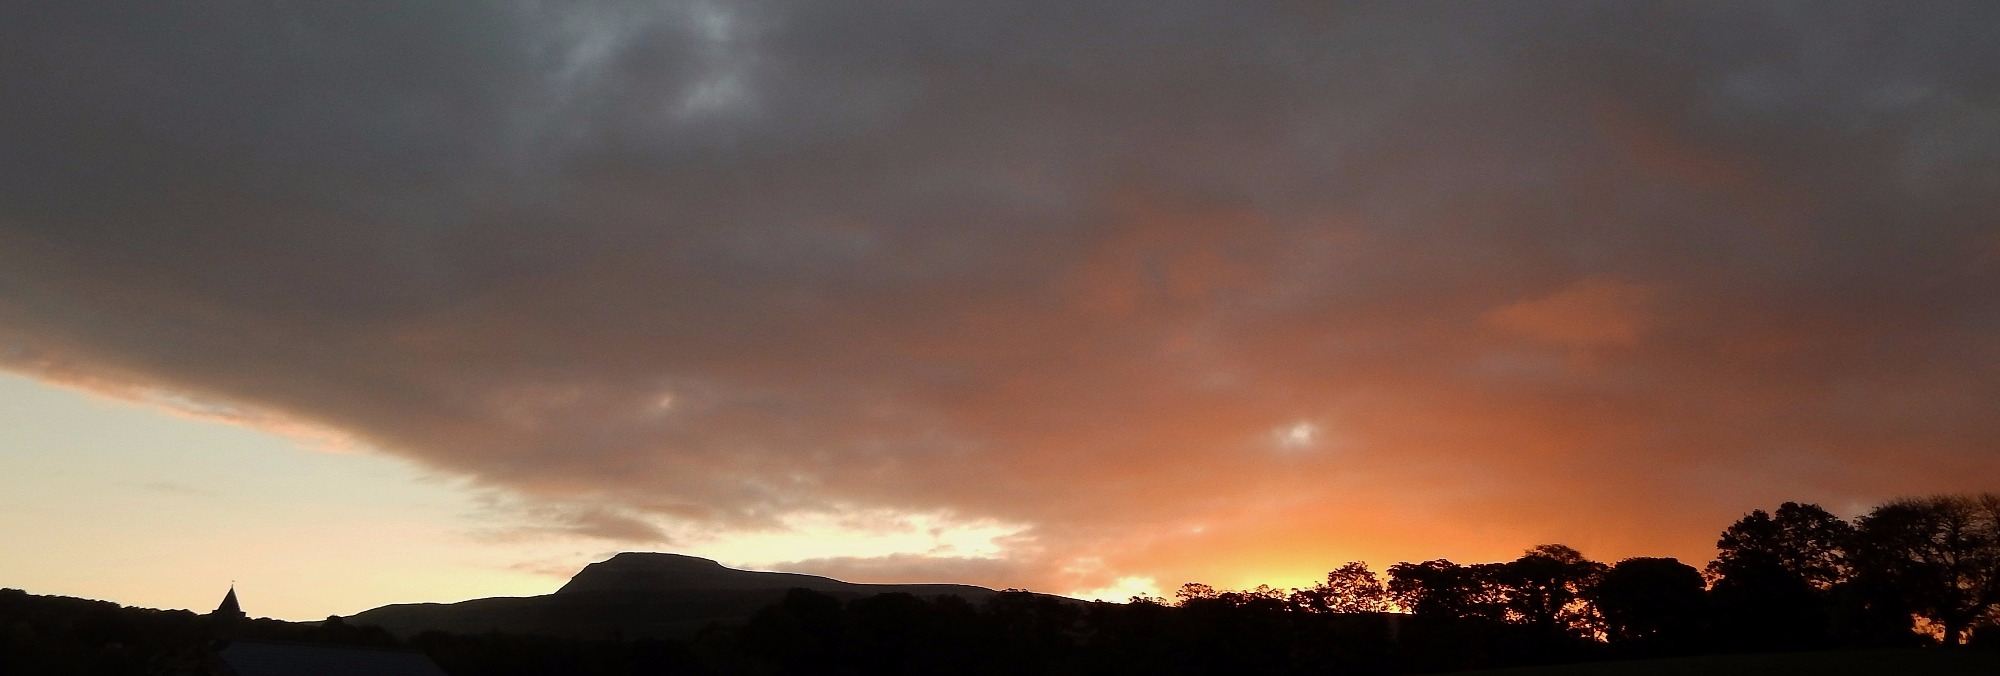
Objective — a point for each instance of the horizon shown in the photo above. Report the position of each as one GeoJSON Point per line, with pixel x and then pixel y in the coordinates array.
{"type": "Point", "coordinates": [421, 303]}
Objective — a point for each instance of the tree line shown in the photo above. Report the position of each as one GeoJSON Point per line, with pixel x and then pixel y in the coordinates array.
{"type": "Point", "coordinates": [1911, 570]}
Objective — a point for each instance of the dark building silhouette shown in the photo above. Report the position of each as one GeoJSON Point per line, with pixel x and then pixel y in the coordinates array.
{"type": "Point", "coordinates": [230, 609]}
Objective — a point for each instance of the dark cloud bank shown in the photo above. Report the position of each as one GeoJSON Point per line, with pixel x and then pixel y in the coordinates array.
{"type": "Point", "coordinates": [1604, 272]}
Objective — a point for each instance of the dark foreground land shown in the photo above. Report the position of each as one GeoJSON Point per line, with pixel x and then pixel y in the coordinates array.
{"type": "Point", "coordinates": [1913, 587]}
{"type": "Point", "coordinates": [1008, 633]}
{"type": "Point", "coordinates": [1927, 662]}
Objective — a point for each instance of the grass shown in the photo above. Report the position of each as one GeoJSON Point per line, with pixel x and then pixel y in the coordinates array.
{"type": "Point", "coordinates": [1934, 662]}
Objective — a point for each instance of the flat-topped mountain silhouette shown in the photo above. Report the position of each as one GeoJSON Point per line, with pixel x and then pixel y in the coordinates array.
{"type": "Point", "coordinates": [643, 572]}
{"type": "Point", "coordinates": [637, 594]}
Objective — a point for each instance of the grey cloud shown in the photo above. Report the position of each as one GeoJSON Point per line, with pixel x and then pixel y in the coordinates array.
{"type": "Point", "coordinates": [1061, 265]}
{"type": "Point", "coordinates": [503, 516]}
{"type": "Point", "coordinates": [599, 523]}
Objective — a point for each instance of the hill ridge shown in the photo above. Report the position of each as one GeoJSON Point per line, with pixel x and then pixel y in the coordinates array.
{"type": "Point", "coordinates": [638, 594]}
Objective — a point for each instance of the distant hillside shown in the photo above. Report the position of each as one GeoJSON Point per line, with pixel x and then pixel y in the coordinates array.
{"type": "Point", "coordinates": [635, 595]}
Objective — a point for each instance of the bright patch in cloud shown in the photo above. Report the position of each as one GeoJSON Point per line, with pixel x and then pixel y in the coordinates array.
{"type": "Point", "coordinates": [1298, 435]}
{"type": "Point", "coordinates": [863, 534]}
{"type": "Point", "coordinates": [1120, 590]}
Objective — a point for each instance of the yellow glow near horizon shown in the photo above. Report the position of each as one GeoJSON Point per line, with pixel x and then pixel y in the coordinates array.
{"type": "Point", "coordinates": [117, 500]}
{"type": "Point", "coordinates": [862, 533]}
{"type": "Point", "coordinates": [1120, 590]}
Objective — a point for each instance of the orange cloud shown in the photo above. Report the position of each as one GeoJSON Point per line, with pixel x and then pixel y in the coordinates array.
{"type": "Point", "coordinates": [1586, 314]}
{"type": "Point", "coordinates": [1067, 272]}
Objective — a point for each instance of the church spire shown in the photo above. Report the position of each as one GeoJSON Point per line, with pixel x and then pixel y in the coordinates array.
{"type": "Point", "coordinates": [229, 607]}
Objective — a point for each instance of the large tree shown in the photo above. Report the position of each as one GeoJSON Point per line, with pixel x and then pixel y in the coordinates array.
{"type": "Point", "coordinates": [1546, 586]}
{"type": "Point", "coordinates": [1803, 540]}
{"type": "Point", "coordinates": [1772, 575]}
{"type": "Point", "coordinates": [1351, 588]}
{"type": "Point", "coordinates": [1194, 591]}
{"type": "Point", "coordinates": [1941, 554]}
{"type": "Point", "coordinates": [1442, 589]}
{"type": "Point", "coordinates": [1657, 602]}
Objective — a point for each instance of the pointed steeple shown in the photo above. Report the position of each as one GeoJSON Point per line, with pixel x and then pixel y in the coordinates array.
{"type": "Point", "coordinates": [229, 607]}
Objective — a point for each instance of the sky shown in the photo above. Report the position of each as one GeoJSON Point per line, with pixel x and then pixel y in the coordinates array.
{"type": "Point", "coordinates": [359, 303]}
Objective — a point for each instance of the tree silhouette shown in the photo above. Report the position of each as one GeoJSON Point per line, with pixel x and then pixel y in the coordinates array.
{"type": "Point", "coordinates": [1804, 540]}
{"type": "Point", "coordinates": [1773, 575]}
{"type": "Point", "coordinates": [1941, 554]}
{"type": "Point", "coordinates": [802, 634]}
{"type": "Point", "coordinates": [1193, 591]}
{"type": "Point", "coordinates": [1262, 597]}
{"type": "Point", "coordinates": [1657, 603]}
{"type": "Point", "coordinates": [1440, 588]}
{"type": "Point", "coordinates": [1545, 588]}
{"type": "Point", "coordinates": [887, 631]}
{"type": "Point", "coordinates": [1351, 588]}
{"type": "Point", "coordinates": [1032, 631]}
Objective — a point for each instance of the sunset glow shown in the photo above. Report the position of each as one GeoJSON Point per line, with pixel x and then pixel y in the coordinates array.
{"type": "Point", "coordinates": [356, 308]}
